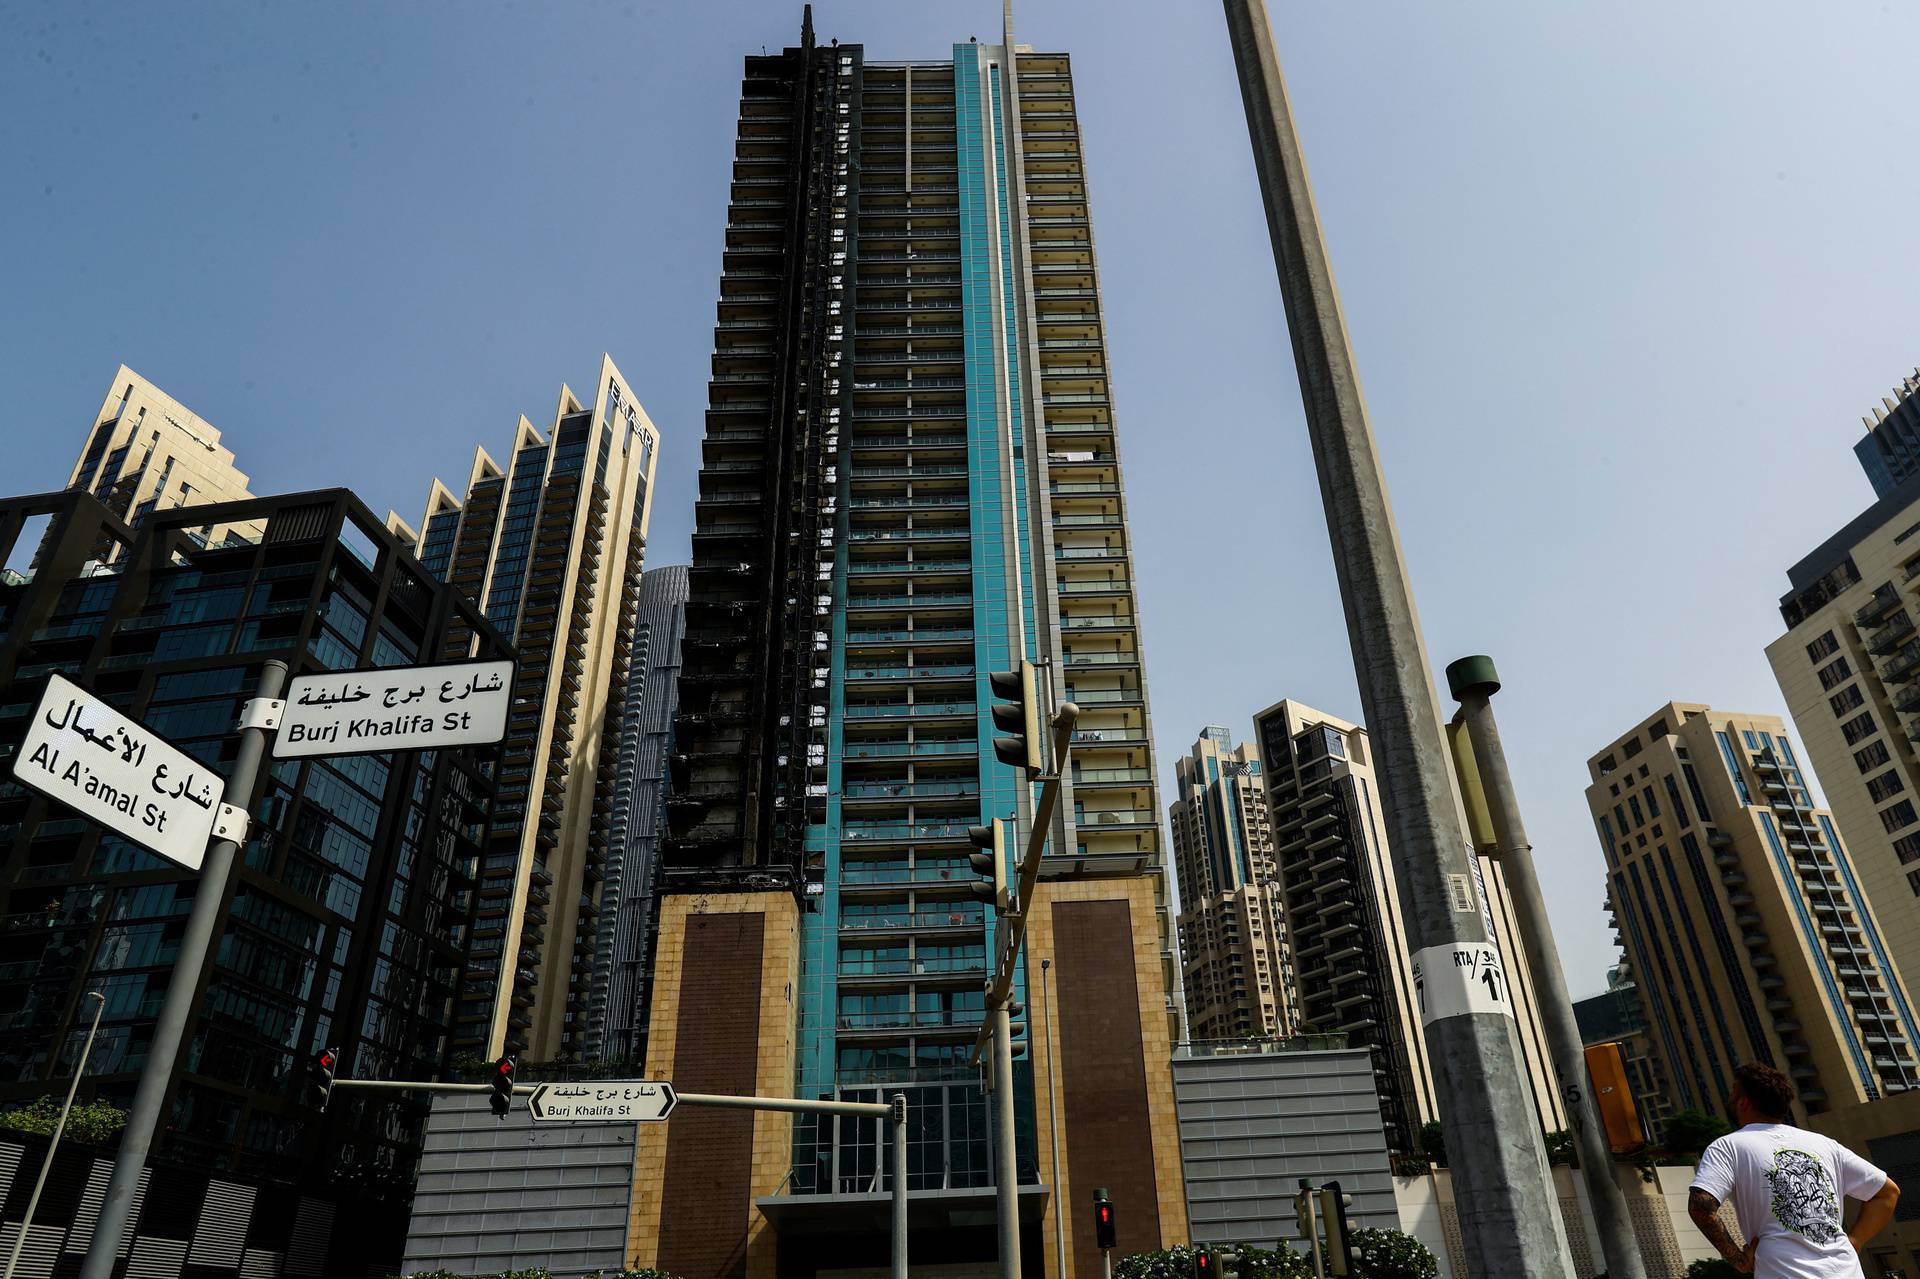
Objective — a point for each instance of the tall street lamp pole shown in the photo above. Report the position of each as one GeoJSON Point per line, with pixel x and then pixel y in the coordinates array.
{"type": "Point", "coordinates": [1509, 1214]}
{"type": "Point", "coordinates": [1473, 683]}
{"type": "Point", "coordinates": [46, 1165]}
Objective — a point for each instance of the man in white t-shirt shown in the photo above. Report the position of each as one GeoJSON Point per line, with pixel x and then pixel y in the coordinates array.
{"type": "Point", "coordinates": [1787, 1186]}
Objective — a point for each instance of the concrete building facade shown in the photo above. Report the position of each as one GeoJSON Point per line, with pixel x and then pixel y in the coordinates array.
{"type": "Point", "coordinates": [147, 451]}
{"type": "Point", "coordinates": [1849, 668]}
{"type": "Point", "coordinates": [1236, 966]}
{"type": "Point", "coordinates": [910, 480]}
{"type": "Point", "coordinates": [1739, 910]}
{"type": "Point", "coordinates": [552, 547]}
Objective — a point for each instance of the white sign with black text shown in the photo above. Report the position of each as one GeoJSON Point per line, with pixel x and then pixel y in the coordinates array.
{"type": "Point", "coordinates": [119, 773]}
{"type": "Point", "coordinates": [603, 1101]}
{"type": "Point", "coordinates": [406, 708]}
{"type": "Point", "coordinates": [1461, 977]}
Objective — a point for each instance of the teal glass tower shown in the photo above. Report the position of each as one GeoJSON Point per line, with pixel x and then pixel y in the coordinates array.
{"type": "Point", "coordinates": [910, 480]}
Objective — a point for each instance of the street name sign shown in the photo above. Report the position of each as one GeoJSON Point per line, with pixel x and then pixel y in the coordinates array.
{"type": "Point", "coordinates": [406, 708]}
{"type": "Point", "coordinates": [119, 773]}
{"type": "Point", "coordinates": [603, 1101]}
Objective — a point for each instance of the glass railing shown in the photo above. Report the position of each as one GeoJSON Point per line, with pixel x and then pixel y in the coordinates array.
{"type": "Point", "coordinates": [904, 830]}
{"type": "Point", "coordinates": [1094, 776]}
{"type": "Point", "coordinates": [908, 442]}
{"type": "Point", "coordinates": [910, 672]}
{"type": "Point", "coordinates": [916, 968]}
{"type": "Point", "coordinates": [909, 637]}
{"type": "Point", "coordinates": [886, 750]}
{"type": "Point", "coordinates": [947, 600]}
{"type": "Point", "coordinates": [913, 1019]}
{"type": "Point", "coordinates": [909, 790]}
{"type": "Point", "coordinates": [909, 566]}
{"type": "Point", "coordinates": [862, 873]}
{"type": "Point", "coordinates": [858, 710]}
{"type": "Point", "coordinates": [932, 499]}
{"type": "Point", "coordinates": [908, 534]}
{"type": "Point", "coordinates": [911, 919]}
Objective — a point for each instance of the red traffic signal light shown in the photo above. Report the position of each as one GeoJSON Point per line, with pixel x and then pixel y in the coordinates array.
{"type": "Point", "coordinates": [502, 1099]}
{"type": "Point", "coordinates": [320, 1085]}
{"type": "Point", "coordinates": [1203, 1263]}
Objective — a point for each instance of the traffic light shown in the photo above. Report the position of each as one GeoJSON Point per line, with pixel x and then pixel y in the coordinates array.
{"type": "Point", "coordinates": [320, 1087]}
{"type": "Point", "coordinates": [1017, 1028]}
{"type": "Point", "coordinates": [991, 862]}
{"type": "Point", "coordinates": [1203, 1264]}
{"type": "Point", "coordinates": [1020, 742]}
{"type": "Point", "coordinates": [1231, 1260]}
{"type": "Point", "coordinates": [1102, 1219]}
{"type": "Point", "coordinates": [502, 1098]}
{"type": "Point", "coordinates": [1333, 1214]}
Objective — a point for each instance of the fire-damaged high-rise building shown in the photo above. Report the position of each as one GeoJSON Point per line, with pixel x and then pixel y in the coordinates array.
{"type": "Point", "coordinates": [910, 480]}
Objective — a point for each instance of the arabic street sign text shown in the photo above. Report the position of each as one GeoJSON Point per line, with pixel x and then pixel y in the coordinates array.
{"type": "Point", "coordinates": [395, 709]}
{"type": "Point", "coordinates": [106, 767]}
{"type": "Point", "coordinates": [603, 1101]}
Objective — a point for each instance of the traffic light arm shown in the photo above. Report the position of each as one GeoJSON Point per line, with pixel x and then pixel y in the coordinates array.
{"type": "Point", "coordinates": [1027, 875]}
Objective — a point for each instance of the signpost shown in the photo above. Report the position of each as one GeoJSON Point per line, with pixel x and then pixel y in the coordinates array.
{"type": "Point", "coordinates": [80, 751]}
{"type": "Point", "coordinates": [603, 1101]}
{"type": "Point", "coordinates": [119, 772]}
{"type": "Point", "coordinates": [398, 709]}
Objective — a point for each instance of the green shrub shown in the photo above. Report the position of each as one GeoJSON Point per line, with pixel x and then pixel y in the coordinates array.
{"type": "Point", "coordinates": [1390, 1254]}
{"type": "Point", "coordinates": [1688, 1132]}
{"type": "Point", "coordinates": [93, 1123]}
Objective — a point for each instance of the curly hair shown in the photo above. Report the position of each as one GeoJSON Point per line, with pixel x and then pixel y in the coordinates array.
{"type": "Point", "coordinates": [1770, 1091]}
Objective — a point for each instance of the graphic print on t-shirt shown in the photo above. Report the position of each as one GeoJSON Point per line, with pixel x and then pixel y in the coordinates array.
{"type": "Point", "coordinates": [1803, 1196]}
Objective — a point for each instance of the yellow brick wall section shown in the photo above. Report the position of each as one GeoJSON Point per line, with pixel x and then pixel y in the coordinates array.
{"type": "Point", "coordinates": [1156, 1051]}
{"type": "Point", "coordinates": [772, 1133]}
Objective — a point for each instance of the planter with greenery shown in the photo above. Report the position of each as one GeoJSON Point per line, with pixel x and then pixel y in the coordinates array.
{"type": "Point", "coordinates": [92, 1124]}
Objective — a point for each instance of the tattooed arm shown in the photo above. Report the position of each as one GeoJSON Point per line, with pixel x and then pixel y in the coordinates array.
{"type": "Point", "coordinates": [1705, 1211]}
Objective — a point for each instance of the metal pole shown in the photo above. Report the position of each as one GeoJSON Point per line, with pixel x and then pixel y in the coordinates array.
{"type": "Point", "coordinates": [1509, 1215]}
{"type": "Point", "coordinates": [209, 905]}
{"type": "Point", "coordinates": [1053, 1137]}
{"type": "Point", "coordinates": [899, 1185]}
{"type": "Point", "coordinates": [1312, 1208]}
{"type": "Point", "coordinates": [1006, 1185]}
{"type": "Point", "coordinates": [46, 1165]}
{"type": "Point", "coordinates": [1473, 683]}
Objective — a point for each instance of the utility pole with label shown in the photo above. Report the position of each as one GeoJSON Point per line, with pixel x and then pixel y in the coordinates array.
{"type": "Point", "coordinates": [1509, 1213]}
{"type": "Point", "coordinates": [1473, 682]}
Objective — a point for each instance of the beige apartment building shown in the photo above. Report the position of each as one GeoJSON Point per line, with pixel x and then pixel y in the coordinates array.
{"type": "Point", "coordinates": [1343, 920]}
{"type": "Point", "coordinates": [1849, 668]}
{"type": "Point", "coordinates": [1738, 907]}
{"type": "Point", "coordinates": [147, 451]}
{"type": "Point", "coordinates": [552, 547]}
{"type": "Point", "coordinates": [1234, 958]}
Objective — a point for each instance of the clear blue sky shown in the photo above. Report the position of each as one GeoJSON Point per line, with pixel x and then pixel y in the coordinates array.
{"type": "Point", "coordinates": [1622, 279]}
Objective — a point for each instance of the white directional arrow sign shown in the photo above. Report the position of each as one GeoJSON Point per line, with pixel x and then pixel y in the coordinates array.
{"type": "Point", "coordinates": [603, 1101]}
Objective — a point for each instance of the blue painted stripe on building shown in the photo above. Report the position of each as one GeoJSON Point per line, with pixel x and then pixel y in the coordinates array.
{"type": "Point", "coordinates": [1842, 1011]}
{"type": "Point", "coordinates": [1845, 863]}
